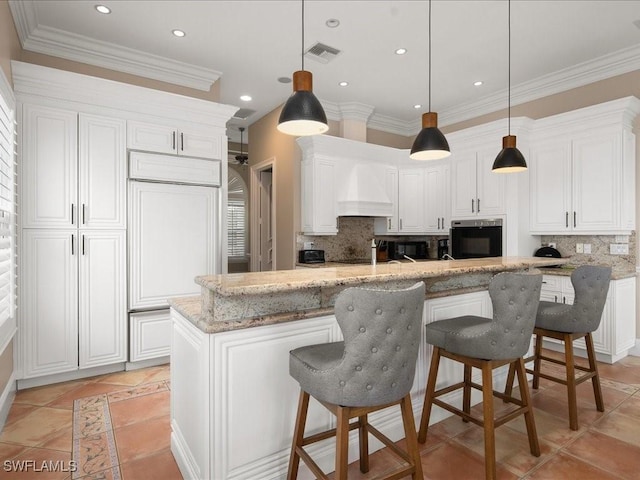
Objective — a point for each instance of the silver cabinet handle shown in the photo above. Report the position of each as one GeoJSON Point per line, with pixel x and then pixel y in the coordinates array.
{"type": "Point", "coordinates": [400, 224]}
{"type": "Point", "coordinates": [478, 205]}
{"type": "Point", "coordinates": [566, 219]}
{"type": "Point", "coordinates": [438, 223]}
{"type": "Point", "coordinates": [389, 222]}
{"type": "Point", "coordinates": [73, 214]}
{"type": "Point", "coordinates": [83, 213]}
{"type": "Point", "coordinates": [564, 299]}
{"type": "Point", "coordinates": [173, 140]}
{"type": "Point", "coordinates": [73, 244]}
{"type": "Point", "coordinates": [574, 218]}
{"type": "Point", "coordinates": [473, 206]}
{"type": "Point", "coordinates": [182, 141]}
{"type": "Point", "coordinates": [556, 300]}
{"type": "Point", "coordinates": [82, 244]}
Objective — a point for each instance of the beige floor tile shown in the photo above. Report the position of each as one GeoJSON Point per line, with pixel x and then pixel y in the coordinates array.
{"type": "Point", "coordinates": [137, 440]}
{"type": "Point", "coordinates": [140, 409]}
{"type": "Point", "coordinates": [37, 427]}
{"type": "Point", "coordinates": [39, 464]}
{"type": "Point", "coordinates": [567, 467]}
{"type": "Point", "coordinates": [159, 466]}
{"type": "Point", "coordinates": [44, 395]}
{"type": "Point", "coordinates": [620, 426]}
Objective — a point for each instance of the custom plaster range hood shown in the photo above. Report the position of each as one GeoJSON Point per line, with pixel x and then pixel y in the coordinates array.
{"type": "Point", "coordinates": [364, 194]}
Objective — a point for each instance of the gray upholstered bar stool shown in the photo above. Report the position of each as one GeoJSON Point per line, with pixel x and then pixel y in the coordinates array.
{"type": "Point", "coordinates": [486, 343]}
{"type": "Point", "coordinates": [373, 368]}
{"type": "Point", "coordinates": [568, 323]}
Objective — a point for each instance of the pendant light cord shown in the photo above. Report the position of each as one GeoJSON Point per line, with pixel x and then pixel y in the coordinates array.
{"type": "Point", "coordinates": [302, 49]}
{"type": "Point", "coordinates": [509, 74]}
{"type": "Point", "coordinates": [429, 55]}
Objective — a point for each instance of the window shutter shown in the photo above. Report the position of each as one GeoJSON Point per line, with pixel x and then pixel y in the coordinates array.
{"type": "Point", "coordinates": [7, 203]}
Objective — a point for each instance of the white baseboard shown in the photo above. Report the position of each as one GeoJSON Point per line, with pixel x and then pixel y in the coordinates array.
{"type": "Point", "coordinates": [66, 376]}
{"type": "Point", "coordinates": [635, 350]}
{"type": "Point", "coordinates": [6, 399]}
{"type": "Point", "coordinates": [152, 362]}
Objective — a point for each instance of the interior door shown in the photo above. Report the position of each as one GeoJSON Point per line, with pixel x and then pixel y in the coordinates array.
{"type": "Point", "coordinates": [266, 224]}
{"type": "Point", "coordinates": [171, 240]}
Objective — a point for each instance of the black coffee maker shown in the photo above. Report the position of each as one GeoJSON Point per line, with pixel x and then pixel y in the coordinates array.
{"type": "Point", "coordinates": [443, 247]}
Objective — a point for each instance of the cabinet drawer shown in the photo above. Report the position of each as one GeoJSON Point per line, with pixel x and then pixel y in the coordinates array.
{"type": "Point", "coordinates": [168, 168]}
{"type": "Point", "coordinates": [150, 335]}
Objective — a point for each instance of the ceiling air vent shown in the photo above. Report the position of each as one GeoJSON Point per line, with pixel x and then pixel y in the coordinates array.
{"type": "Point", "coordinates": [244, 113]}
{"type": "Point", "coordinates": [321, 53]}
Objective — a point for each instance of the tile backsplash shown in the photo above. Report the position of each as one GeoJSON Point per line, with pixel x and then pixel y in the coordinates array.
{"type": "Point", "coordinates": [600, 250]}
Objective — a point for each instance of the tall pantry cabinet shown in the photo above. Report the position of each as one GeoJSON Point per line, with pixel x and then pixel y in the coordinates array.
{"type": "Point", "coordinates": [73, 244]}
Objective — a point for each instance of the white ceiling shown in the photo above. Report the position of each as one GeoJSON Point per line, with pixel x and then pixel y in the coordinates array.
{"type": "Point", "coordinates": [556, 45]}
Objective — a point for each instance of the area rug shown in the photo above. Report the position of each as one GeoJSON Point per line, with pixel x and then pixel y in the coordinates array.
{"type": "Point", "coordinates": [94, 447]}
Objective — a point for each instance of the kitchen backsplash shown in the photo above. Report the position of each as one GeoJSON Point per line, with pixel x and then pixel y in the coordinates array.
{"type": "Point", "coordinates": [353, 240]}
{"type": "Point", "coordinates": [600, 250]}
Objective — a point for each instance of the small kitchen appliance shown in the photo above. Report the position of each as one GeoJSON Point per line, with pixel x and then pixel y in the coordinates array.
{"type": "Point", "coordinates": [443, 247]}
{"type": "Point", "coordinates": [311, 256]}
{"type": "Point", "coordinates": [476, 238]}
{"type": "Point", "coordinates": [413, 249]}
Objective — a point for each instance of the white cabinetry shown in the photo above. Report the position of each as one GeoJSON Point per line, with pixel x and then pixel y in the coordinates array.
{"type": "Point", "coordinates": [73, 239]}
{"type": "Point", "coordinates": [582, 171]}
{"type": "Point", "coordinates": [411, 196]}
{"type": "Point", "coordinates": [475, 189]}
{"type": "Point", "coordinates": [616, 333]}
{"type": "Point", "coordinates": [188, 141]}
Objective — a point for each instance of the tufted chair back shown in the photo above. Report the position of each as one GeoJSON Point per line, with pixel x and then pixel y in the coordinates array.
{"type": "Point", "coordinates": [591, 285]}
{"type": "Point", "coordinates": [515, 298]}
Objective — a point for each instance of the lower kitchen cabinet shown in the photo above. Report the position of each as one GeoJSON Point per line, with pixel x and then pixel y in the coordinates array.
{"type": "Point", "coordinates": [617, 332]}
{"type": "Point", "coordinates": [73, 300]}
{"type": "Point", "coordinates": [150, 335]}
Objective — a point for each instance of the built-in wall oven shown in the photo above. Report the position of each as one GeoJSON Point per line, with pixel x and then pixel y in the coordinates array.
{"type": "Point", "coordinates": [476, 238]}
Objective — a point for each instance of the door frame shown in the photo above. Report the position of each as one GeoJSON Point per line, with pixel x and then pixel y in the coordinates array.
{"type": "Point", "coordinates": [268, 164]}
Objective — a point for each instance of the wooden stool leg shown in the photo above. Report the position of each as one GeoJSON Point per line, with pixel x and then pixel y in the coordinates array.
{"type": "Point", "coordinates": [571, 382]}
{"type": "Point", "coordinates": [534, 446]}
{"type": "Point", "coordinates": [428, 397]}
{"type": "Point", "coordinates": [410, 436]}
{"type": "Point", "coordinates": [342, 443]}
{"type": "Point", "coordinates": [466, 392]}
{"type": "Point", "coordinates": [537, 361]}
{"type": "Point", "coordinates": [298, 435]}
{"type": "Point", "coordinates": [489, 429]}
{"type": "Point", "coordinates": [364, 444]}
{"type": "Point", "coordinates": [508, 388]}
{"type": "Point", "coordinates": [593, 366]}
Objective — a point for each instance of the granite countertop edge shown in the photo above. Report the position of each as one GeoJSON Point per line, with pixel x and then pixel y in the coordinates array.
{"type": "Point", "coordinates": [566, 272]}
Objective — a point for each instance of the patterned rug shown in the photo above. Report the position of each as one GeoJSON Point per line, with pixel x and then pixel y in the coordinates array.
{"type": "Point", "coordinates": [94, 446]}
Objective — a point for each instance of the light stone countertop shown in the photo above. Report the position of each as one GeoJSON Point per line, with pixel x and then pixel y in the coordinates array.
{"type": "Point", "coordinates": [567, 270]}
{"type": "Point", "coordinates": [245, 300]}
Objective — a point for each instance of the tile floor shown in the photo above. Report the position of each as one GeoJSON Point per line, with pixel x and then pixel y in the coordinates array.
{"type": "Point", "coordinates": [118, 428]}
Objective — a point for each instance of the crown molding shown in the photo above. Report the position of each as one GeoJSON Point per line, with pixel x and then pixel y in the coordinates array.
{"type": "Point", "coordinates": [356, 111]}
{"type": "Point", "coordinates": [58, 43]}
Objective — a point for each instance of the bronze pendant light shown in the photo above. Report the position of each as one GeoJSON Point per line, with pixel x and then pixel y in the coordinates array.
{"type": "Point", "coordinates": [430, 144]}
{"type": "Point", "coordinates": [302, 114]}
{"type": "Point", "coordinates": [510, 159]}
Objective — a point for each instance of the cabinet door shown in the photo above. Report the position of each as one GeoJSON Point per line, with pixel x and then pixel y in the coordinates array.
{"type": "Point", "coordinates": [490, 185]}
{"type": "Point", "coordinates": [411, 200]}
{"type": "Point", "coordinates": [437, 199]}
{"type": "Point", "coordinates": [389, 224]}
{"type": "Point", "coordinates": [319, 197]}
{"type": "Point", "coordinates": [48, 167]}
{"type": "Point", "coordinates": [103, 297]}
{"type": "Point", "coordinates": [49, 302]}
{"type": "Point", "coordinates": [596, 182]}
{"type": "Point", "coordinates": [550, 186]}
{"type": "Point", "coordinates": [152, 138]}
{"type": "Point", "coordinates": [463, 184]}
{"type": "Point", "coordinates": [194, 143]}
{"type": "Point", "coordinates": [102, 172]}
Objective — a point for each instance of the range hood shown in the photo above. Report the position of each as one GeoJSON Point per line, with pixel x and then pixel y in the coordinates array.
{"type": "Point", "coordinates": [364, 193]}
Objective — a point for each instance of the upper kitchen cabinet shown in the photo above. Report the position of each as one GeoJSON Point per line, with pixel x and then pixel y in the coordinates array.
{"type": "Point", "coordinates": [411, 218]}
{"type": "Point", "coordinates": [582, 171]}
{"type": "Point", "coordinates": [319, 212]}
{"type": "Point", "coordinates": [437, 198]}
{"type": "Point", "coordinates": [187, 141]}
{"type": "Point", "coordinates": [73, 169]}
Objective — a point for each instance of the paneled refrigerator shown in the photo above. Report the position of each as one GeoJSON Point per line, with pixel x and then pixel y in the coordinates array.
{"type": "Point", "coordinates": [173, 206]}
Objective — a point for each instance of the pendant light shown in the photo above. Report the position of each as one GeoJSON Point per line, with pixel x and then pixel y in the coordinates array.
{"type": "Point", "coordinates": [302, 114]}
{"type": "Point", "coordinates": [510, 159]}
{"type": "Point", "coordinates": [430, 144]}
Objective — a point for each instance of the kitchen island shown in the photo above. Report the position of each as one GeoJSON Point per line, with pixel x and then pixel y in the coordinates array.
{"type": "Point", "coordinates": [233, 403]}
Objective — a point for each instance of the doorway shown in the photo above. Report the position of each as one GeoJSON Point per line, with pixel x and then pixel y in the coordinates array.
{"type": "Point", "coordinates": [263, 233]}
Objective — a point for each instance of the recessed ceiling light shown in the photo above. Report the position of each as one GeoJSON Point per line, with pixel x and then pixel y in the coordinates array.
{"type": "Point", "coordinates": [103, 9]}
{"type": "Point", "coordinates": [417, 106]}
{"type": "Point", "coordinates": [332, 23]}
{"type": "Point", "coordinates": [401, 51]}
{"type": "Point", "coordinates": [245, 98]}
{"type": "Point", "coordinates": [343, 84]}
{"type": "Point", "coordinates": [478, 83]}
{"type": "Point", "coordinates": [178, 33]}
{"type": "Point", "coordinates": [284, 79]}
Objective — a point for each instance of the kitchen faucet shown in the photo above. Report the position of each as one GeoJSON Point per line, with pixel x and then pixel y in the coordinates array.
{"type": "Point", "coordinates": [446, 256]}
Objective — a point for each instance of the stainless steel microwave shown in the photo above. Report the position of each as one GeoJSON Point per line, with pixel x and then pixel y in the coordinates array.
{"type": "Point", "coordinates": [476, 238]}
{"type": "Point", "coordinates": [415, 250]}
